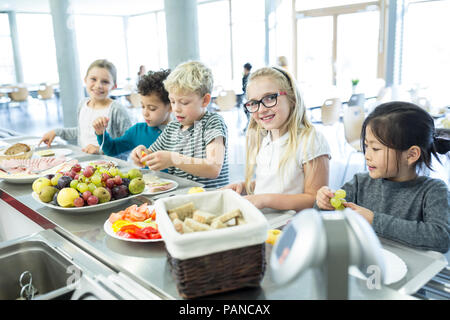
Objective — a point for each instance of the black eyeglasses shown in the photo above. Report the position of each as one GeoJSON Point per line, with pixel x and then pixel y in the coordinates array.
{"type": "Point", "coordinates": [268, 101]}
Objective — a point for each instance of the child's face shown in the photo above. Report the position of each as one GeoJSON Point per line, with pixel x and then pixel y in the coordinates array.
{"type": "Point", "coordinates": [272, 118]}
{"type": "Point", "coordinates": [99, 82]}
{"type": "Point", "coordinates": [154, 111]}
{"type": "Point", "coordinates": [382, 161]}
{"type": "Point", "coordinates": [188, 107]}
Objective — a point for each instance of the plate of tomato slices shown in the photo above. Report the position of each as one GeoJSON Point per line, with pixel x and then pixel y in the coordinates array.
{"type": "Point", "coordinates": [135, 224]}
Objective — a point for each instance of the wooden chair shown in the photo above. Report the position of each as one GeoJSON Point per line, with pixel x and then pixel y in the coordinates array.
{"type": "Point", "coordinates": [19, 95]}
{"type": "Point", "coordinates": [330, 111]}
{"type": "Point", "coordinates": [46, 93]}
{"type": "Point", "coordinates": [135, 100]}
{"type": "Point", "coordinates": [226, 100]}
{"type": "Point", "coordinates": [353, 120]}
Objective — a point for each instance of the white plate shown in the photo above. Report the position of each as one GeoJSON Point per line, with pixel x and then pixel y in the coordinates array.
{"type": "Point", "coordinates": [107, 226]}
{"type": "Point", "coordinates": [175, 185]}
{"type": "Point", "coordinates": [18, 179]}
{"type": "Point", "coordinates": [23, 179]}
{"type": "Point", "coordinates": [396, 268]}
{"type": "Point", "coordinates": [59, 152]}
{"type": "Point", "coordinates": [100, 206]}
{"type": "Point", "coordinates": [84, 164]}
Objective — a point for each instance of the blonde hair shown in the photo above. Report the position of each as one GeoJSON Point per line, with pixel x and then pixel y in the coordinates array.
{"type": "Point", "coordinates": [191, 76]}
{"type": "Point", "coordinates": [299, 128]}
{"type": "Point", "coordinates": [105, 64]}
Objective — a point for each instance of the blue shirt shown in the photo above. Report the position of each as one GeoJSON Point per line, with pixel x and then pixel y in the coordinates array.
{"type": "Point", "coordinates": [138, 134]}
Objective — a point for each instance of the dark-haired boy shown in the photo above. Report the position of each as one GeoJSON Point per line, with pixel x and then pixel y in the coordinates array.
{"type": "Point", "coordinates": [155, 110]}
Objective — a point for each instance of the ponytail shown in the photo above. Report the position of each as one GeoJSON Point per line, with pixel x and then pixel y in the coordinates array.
{"type": "Point", "coordinates": [441, 141]}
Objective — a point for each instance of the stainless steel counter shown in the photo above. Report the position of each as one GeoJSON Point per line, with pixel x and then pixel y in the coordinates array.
{"type": "Point", "coordinates": [146, 263]}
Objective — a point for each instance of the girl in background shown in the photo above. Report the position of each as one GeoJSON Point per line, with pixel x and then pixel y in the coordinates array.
{"type": "Point", "coordinates": [398, 139]}
{"type": "Point", "coordinates": [100, 79]}
{"type": "Point", "coordinates": [288, 157]}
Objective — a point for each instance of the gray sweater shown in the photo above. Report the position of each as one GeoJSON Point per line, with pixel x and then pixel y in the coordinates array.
{"type": "Point", "coordinates": [414, 213]}
{"type": "Point", "coordinates": [118, 124]}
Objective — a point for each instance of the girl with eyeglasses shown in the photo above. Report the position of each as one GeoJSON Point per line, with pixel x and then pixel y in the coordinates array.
{"type": "Point", "coordinates": [287, 160]}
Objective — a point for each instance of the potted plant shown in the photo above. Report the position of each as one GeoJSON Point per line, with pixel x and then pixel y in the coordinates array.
{"type": "Point", "coordinates": [354, 84]}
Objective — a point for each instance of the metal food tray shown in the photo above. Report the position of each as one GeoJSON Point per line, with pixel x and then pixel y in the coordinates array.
{"type": "Point", "coordinates": [422, 266]}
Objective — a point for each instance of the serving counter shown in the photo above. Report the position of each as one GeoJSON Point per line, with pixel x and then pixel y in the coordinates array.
{"type": "Point", "coordinates": [146, 263]}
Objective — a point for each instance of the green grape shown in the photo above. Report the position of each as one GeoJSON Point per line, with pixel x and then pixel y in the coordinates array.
{"type": "Point", "coordinates": [123, 174]}
{"type": "Point", "coordinates": [92, 187]}
{"type": "Point", "coordinates": [74, 184]}
{"type": "Point", "coordinates": [340, 194]}
{"type": "Point", "coordinates": [82, 187]}
{"type": "Point", "coordinates": [54, 180]}
{"type": "Point", "coordinates": [81, 178]}
{"type": "Point", "coordinates": [96, 179]}
{"type": "Point", "coordinates": [113, 171]}
{"type": "Point", "coordinates": [103, 170]}
{"type": "Point", "coordinates": [336, 203]}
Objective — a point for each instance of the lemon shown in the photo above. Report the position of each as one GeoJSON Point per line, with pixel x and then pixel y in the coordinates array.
{"type": "Point", "coordinates": [40, 183]}
{"type": "Point", "coordinates": [196, 190]}
{"type": "Point", "coordinates": [66, 196]}
{"type": "Point", "coordinates": [272, 236]}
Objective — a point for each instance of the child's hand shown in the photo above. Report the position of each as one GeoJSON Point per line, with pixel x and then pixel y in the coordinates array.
{"type": "Point", "coordinates": [159, 160]}
{"type": "Point", "coordinates": [48, 138]}
{"type": "Point", "coordinates": [257, 200]}
{"type": "Point", "coordinates": [100, 124]}
{"type": "Point", "coordinates": [90, 148]}
{"type": "Point", "coordinates": [136, 155]}
{"type": "Point", "coordinates": [323, 198]}
{"type": "Point", "coordinates": [239, 187]}
{"type": "Point", "coordinates": [366, 213]}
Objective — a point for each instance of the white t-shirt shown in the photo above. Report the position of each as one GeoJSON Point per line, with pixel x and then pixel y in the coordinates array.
{"type": "Point", "coordinates": [87, 132]}
{"type": "Point", "coordinates": [268, 177]}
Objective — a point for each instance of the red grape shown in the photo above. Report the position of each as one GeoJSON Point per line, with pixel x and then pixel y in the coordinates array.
{"type": "Point", "coordinates": [110, 183]}
{"type": "Point", "coordinates": [118, 180]}
{"type": "Point", "coordinates": [89, 171]}
{"type": "Point", "coordinates": [77, 167]}
{"type": "Point", "coordinates": [105, 177]}
{"type": "Point", "coordinates": [92, 200]}
{"type": "Point", "coordinates": [78, 202]}
{"type": "Point", "coordinates": [86, 195]}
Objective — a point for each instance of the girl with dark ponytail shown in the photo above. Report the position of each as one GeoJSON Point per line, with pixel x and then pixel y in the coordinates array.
{"type": "Point", "coordinates": [399, 140]}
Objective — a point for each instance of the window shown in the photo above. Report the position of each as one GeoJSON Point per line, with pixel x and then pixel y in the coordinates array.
{"type": "Point", "coordinates": [426, 62]}
{"type": "Point", "coordinates": [214, 39]}
{"type": "Point", "coordinates": [101, 37]}
{"type": "Point", "coordinates": [249, 37]}
{"type": "Point", "coordinates": [314, 70]}
{"type": "Point", "coordinates": [6, 53]}
{"type": "Point", "coordinates": [146, 43]}
{"type": "Point", "coordinates": [357, 48]}
{"type": "Point", "coordinates": [37, 48]}
{"type": "Point", "coordinates": [336, 45]}
{"type": "Point", "coordinates": [228, 41]}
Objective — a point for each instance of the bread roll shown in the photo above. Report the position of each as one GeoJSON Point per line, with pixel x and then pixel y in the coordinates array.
{"type": "Point", "coordinates": [203, 217]}
{"type": "Point", "coordinates": [217, 224]}
{"type": "Point", "coordinates": [196, 226]}
{"type": "Point", "coordinates": [229, 215]}
{"type": "Point", "coordinates": [184, 211]}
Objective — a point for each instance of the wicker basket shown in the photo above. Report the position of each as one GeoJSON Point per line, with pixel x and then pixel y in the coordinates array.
{"type": "Point", "coordinates": [219, 272]}
{"type": "Point", "coordinates": [23, 155]}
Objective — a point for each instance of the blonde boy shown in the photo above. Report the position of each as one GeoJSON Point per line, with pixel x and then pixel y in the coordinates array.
{"type": "Point", "coordinates": [194, 146]}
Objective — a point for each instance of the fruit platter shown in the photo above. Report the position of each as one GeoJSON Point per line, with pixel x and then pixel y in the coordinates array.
{"type": "Point", "coordinates": [135, 223]}
{"type": "Point", "coordinates": [88, 189]}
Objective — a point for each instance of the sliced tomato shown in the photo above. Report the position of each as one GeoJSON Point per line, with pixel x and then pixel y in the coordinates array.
{"type": "Point", "coordinates": [153, 215]}
{"type": "Point", "coordinates": [155, 236]}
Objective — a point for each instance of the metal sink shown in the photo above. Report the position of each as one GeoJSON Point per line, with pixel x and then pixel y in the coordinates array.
{"type": "Point", "coordinates": [46, 265]}
{"type": "Point", "coordinates": [37, 267]}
